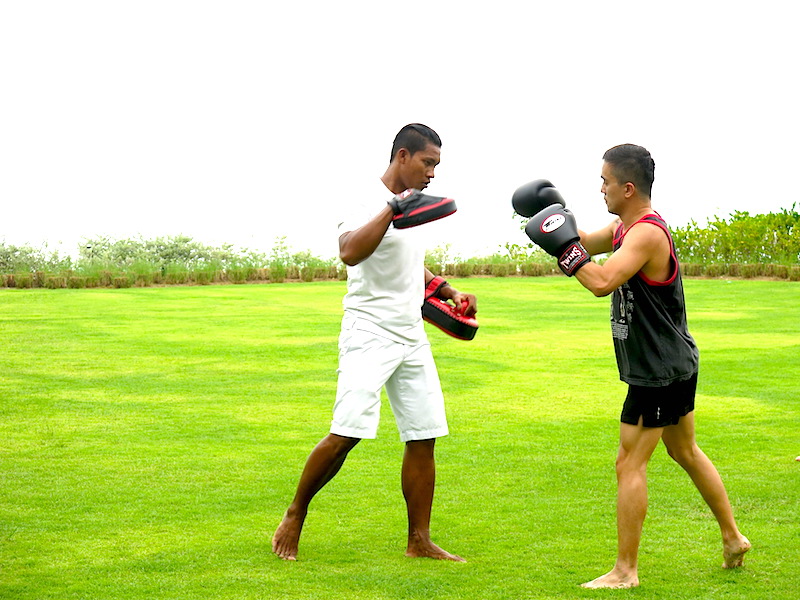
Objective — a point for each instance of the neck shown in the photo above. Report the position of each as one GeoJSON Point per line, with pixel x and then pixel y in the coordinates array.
{"type": "Point", "coordinates": [634, 213]}
{"type": "Point", "coordinates": [391, 180]}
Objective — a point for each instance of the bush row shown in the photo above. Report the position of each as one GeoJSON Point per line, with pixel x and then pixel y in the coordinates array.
{"type": "Point", "coordinates": [743, 271]}
{"type": "Point", "coordinates": [112, 279]}
{"type": "Point", "coordinates": [742, 239]}
{"type": "Point", "coordinates": [109, 279]}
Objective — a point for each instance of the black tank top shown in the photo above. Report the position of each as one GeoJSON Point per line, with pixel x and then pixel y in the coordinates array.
{"type": "Point", "coordinates": [648, 324]}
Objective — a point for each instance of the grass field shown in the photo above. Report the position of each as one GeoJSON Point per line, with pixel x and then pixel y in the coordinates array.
{"type": "Point", "coordinates": [150, 440]}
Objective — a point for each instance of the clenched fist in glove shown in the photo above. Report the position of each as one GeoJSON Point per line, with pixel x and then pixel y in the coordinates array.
{"type": "Point", "coordinates": [554, 229]}
{"type": "Point", "coordinates": [412, 208]}
{"type": "Point", "coordinates": [535, 196]}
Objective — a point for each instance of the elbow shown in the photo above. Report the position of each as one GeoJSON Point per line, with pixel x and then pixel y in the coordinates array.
{"type": "Point", "coordinates": [345, 251]}
{"type": "Point", "coordinates": [348, 257]}
{"type": "Point", "coordinates": [597, 287]}
{"type": "Point", "coordinates": [604, 288]}
{"type": "Point", "coordinates": [602, 292]}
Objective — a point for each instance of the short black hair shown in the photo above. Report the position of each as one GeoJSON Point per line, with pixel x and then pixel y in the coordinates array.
{"type": "Point", "coordinates": [414, 137]}
{"type": "Point", "coordinates": [632, 163]}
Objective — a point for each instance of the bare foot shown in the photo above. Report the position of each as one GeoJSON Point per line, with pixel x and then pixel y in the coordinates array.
{"type": "Point", "coordinates": [287, 536]}
{"type": "Point", "coordinates": [733, 554]}
{"type": "Point", "coordinates": [427, 549]}
{"type": "Point", "coordinates": [613, 580]}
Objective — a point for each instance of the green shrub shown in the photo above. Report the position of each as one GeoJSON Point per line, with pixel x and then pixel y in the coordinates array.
{"type": "Point", "coordinates": [777, 271]}
{"type": "Point", "coordinates": [55, 283]}
{"type": "Point", "coordinates": [277, 274]}
{"type": "Point", "coordinates": [176, 278]}
{"type": "Point", "coordinates": [306, 273]}
{"type": "Point", "coordinates": [692, 269]}
{"type": "Point", "coordinates": [742, 238]}
{"type": "Point", "coordinates": [143, 279]}
{"type": "Point", "coordinates": [465, 269]}
{"type": "Point", "coordinates": [716, 270]}
{"type": "Point", "coordinates": [532, 269]}
{"type": "Point", "coordinates": [203, 277]}
{"type": "Point", "coordinates": [237, 276]}
{"type": "Point", "coordinates": [500, 270]}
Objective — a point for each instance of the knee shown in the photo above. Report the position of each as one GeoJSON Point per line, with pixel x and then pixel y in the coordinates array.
{"type": "Point", "coordinates": [626, 466]}
{"type": "Point", "coordinates": [340, 445]}
{"type": "Point", "coordinates": [683, 454]}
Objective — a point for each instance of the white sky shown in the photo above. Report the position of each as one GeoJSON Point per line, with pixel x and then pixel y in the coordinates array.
{"type": "Point", "coordinates": [242, 121]}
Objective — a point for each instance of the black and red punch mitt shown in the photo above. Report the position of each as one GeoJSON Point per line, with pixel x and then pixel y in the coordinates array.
{"type": "Point", "coordinates": [412, 208]}
{"type": "Point", "coordinates": [445, 316]}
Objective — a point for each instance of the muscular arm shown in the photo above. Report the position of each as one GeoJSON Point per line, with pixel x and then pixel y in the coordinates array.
{"type": "Point", "coordinates": [358, 245]}
{"type": "Point", "coordinates": [645, 248]}
{"type": "Point", "coordinates": [600, 241]}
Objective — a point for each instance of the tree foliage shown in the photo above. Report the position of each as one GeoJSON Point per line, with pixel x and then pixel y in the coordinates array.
{"type": "Point", "coordinates": [742, 238]}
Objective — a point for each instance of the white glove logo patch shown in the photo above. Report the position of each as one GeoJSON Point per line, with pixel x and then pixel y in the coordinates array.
{"type": "Point", "coordinates": [551, 223]}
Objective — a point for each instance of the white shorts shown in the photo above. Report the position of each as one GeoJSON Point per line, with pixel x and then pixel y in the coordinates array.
{"type": "Point", "coordinates": [367, 363]}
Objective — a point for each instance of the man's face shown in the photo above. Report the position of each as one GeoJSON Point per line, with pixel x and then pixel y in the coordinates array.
{"type": "Point", "coordinates": [613, 191]}
{"type": "Point", "coordinates": [416, 170]}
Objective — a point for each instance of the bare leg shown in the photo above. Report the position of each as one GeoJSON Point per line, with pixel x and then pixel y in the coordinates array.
{"type": "Point", "coordinates": [636, 447]}
{"type": "Point", "coordinates": [323, 463]}
{"type": "Point", "coordinates": [418, 479]}
{"type": "Point", "coordinates": [680, 442]}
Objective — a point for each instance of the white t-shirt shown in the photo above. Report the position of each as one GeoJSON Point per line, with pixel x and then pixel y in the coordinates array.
{"type": "Point", "coordinates": [386, 290]}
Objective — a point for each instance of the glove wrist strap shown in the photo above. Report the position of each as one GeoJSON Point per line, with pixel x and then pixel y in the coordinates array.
{"type": "Point", "coordinates": [573, 258]}
{"type": "Point", "coordinates": [434, 288]}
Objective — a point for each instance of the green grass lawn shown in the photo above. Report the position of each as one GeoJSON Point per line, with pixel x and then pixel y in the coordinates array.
{"type": "Point", "coordinates": [150, 440]}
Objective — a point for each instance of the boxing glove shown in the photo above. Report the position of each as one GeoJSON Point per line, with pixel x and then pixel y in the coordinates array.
{"type": "Point", "coordinates": [555, 231]}
{"type": "Point", "coordinates": [535, 196]}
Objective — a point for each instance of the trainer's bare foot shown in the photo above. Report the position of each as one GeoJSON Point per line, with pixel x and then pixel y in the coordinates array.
{"type": "Point", "coordinates": [287, 536]}
{"type": "Point", "coordinates": [613, 580]}
{"type": "Point", "coordinates": [427, 549]}
{"type": "Point", "coordinates": [733, 553]}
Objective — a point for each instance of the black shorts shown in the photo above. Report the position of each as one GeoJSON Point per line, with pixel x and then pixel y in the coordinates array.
{"type": "Point", "coordinates": [659, 406]}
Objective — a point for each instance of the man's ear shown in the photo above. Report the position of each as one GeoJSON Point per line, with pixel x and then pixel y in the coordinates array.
{"type": "Point", "coordinates": [629, 189]}
{"type": "Point", "coordinates": [402, 155]}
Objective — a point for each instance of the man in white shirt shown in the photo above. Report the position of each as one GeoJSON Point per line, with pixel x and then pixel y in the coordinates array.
{"type": "Point", "coordinates": [383, 344]}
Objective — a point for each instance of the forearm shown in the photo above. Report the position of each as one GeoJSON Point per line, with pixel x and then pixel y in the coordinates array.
{"type": "Point", "coordinates": [594, 278]}
{"type": "Point", "coordinates": [358, 245]}
{"type": "Point", "coordinates": [468, 302]}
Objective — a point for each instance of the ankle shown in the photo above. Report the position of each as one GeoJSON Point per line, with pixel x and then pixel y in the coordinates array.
{"type": "Point", "coordinates": [296, 512]}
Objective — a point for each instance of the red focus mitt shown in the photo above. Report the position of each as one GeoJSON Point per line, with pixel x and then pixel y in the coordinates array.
{"type": "Point", "coordinates": [447, 317]}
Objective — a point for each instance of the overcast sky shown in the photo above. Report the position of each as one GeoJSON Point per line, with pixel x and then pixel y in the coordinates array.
{"type": "Point", "coordinates": [243, 121]}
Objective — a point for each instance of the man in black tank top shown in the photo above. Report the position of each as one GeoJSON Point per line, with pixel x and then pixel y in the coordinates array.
{"type": "Point", "coordinates": [656, 356]}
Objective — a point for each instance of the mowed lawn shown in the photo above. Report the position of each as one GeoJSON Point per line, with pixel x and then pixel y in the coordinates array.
{"type": "Point", "coordinates": [150, 440]}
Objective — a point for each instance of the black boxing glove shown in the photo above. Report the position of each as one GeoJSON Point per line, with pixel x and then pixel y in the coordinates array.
{"type": "Point", "coordinates": [554, 230]}
{"type": "Point", "coordinates": [534, 197]}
